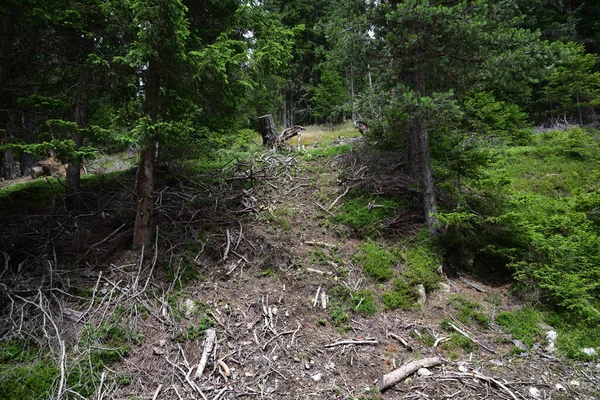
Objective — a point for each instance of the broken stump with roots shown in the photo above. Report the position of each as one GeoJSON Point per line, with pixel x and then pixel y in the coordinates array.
{"type": "Point", "coordinates": [271, 138]}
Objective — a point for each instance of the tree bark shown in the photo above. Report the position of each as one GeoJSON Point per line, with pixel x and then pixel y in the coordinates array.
{"type": "Point", "coordinates": [417, 149]}
{"type": "Point", "coordinates": [73, 180]}
{"type": "Point", "coordinates": [6, 43]}
{"type": "Point", "coordinates": [268, 131]}
{"type": "Point", "coordinates": [145, 176]}
{"type": "Point", "coordinates": [29, 137]}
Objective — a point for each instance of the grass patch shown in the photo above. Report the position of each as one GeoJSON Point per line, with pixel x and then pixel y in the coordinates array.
{"type": "Point", "coordinates": [402, 296]}
{"type": "Point", "coordinates": [281, 217]}
{"type": "Point", "coordinates": [364, 214]}
{"type": "Point", "coordinates": [23, 373]}
{"type": "Point", "coordinates": [326, 152]}
{"type": "Point", "coordinates": [457, 342]}
{"type": "Point", "coordinates": [522, 324]}
{"type": "Point", "coordinates": [376, 261]}
{"type": "Point", "coordinates": [363, 302]}
{"type": "Point", "coordinates": [469, 311]}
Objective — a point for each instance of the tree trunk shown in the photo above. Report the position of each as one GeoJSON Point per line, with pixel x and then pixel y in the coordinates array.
{"type": "Point", "coordinates": [145, 176]}
{"type": "Point", "coordinates": [29, 137]}
{"type": "Point", "coordinates": [417, 151]}
{"type": "Point", "coordinates": [266, 127]}
{"type": "Point", "coordinates": [73, 181]}
{"type": "Point", "coordinates": [6, 43]}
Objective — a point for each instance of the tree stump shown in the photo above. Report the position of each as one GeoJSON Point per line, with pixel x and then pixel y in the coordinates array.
{"type": "Point", "coordinates": [266, 127]}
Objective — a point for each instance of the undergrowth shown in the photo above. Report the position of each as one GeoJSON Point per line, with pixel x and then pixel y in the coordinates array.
{"type": "Point", "coordinates": [534, 215]}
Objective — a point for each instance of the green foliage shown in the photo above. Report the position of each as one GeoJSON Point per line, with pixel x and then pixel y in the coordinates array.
{"type": "Point", "coordinates": [363, 302]}
{"type": "Point", "coordinates": [401, 296]}
{"type": "Point", "coordinates": [329, 96]}
{"type": "Point", "coordinates": [422, 262]}
{"type": "Point", "coordinates": [339, 317]}
{"type": "Point", "coordinates": [522, 324]}
{"type": "Point", "coordinates": [456, 342]}
{"type": "Point", "coordinates": [23, 373]}
{"type": "Point", "coordinates": [468, 310]}
{"type": "Point", "coordinates": [573, 87]}
{"type": "Point", "coordinates": [376, 261]}
{"type": "Point", "coordinates": [364, 214]}
{"type": "Point", "coordinates": [206, 322]}
{"type": "Point", "coordinates": [492, 118]}
{"type": "Point", "coordinates": [327, 152]}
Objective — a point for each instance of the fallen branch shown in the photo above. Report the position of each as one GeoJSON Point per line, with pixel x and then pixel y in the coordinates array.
{"type": "Point", "coordinates": [389, 380]}
{"type": "Point", "coordinates": [472, 284]}
{"type": "Point", "coordinates": [209, 343]}
{"type": "Point", "coordinates": [338, 198]}
{"type": "Point", "coordinates": [488, 379]}
{"type": "Point", "coordinates": [344, 342]}
{"type": "Point", "coordinates": [228, 246]}
{"type": "Point", "coordinates": [401, 340]}
{"type": "Point", "coordinates": [281, 334]}
{"type": "Point", "coordinates": [470, 337]}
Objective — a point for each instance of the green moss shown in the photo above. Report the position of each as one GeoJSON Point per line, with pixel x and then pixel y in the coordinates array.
{"type": "Point", "coordinates": [364, 214]}
{"type": "Point", "coordinates": [456, 342]}
{"type": "Point", "coordinates": [364, 302]}
{"type": "Point", "coordinates": [469, 311]}
{"type": "Point", "coordinates": [521, 324]}
{"type": "Point", "coordinates": [376, 261]}
{"type": "Point", "coordinates": [402, 296]}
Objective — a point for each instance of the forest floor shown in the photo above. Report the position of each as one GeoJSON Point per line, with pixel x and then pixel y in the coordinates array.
{"type": "Point", "coordinates": [255, 251]}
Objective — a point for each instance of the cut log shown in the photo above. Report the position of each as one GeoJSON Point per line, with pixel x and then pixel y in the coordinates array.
{"type": "Point", "coordinates": [389, 380]}
{"type": "Point", "coordinates": [266, 127]}
{"type": "Point", "coordinates": [36, 172]}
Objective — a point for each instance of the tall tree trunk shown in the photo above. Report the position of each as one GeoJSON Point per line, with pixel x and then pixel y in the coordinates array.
{"type": "Point", "coordinates": [81, 111]}
{"type": "Point", "coordinates": [29, 137]}
{"type": "Point", "coordinates": [417, 152]}
{"type": "Point", "coordinates": [145, 176]}
{"type": "Point", "coordinates": [6, 43]}
{"type": "Point", "coordinates": [73, 181]}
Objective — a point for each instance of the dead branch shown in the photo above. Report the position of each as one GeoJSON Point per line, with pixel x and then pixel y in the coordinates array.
{"type": "Point", "coordinates": [357, 342]}
{"type": "Point", "coordinates": [392, 378]}
{"type": "Point", "coordinates": [209, 343]}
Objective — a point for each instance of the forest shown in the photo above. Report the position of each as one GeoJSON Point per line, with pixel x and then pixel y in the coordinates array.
{"type": "Point", "coordinates": [299, 199]}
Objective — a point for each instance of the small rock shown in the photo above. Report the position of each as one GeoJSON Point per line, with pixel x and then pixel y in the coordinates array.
{"type": "Point", "coordinates": [306, 365]}
{"type": "Point", "coordinates": [445, 288]}
{"type": "Point", "coordinates": [589, 351]}
{"type": "Point", "coordinates": [188, 308]}
{"type": "Point", "coordinates": [520, 345]}
{"type": "Point", "coordinates": [424, 372]}
{"type": "Point", "coordinates": [560, 388]}
{"type": "Point", "coordinates": [551, 337]}
{"type": "Point", "coordinates": [462, 368]}
{"type": "Point", "coordinates": [422, 295]}
{"type": "Point", "coordinates": [158, 351]}
{"type": "Point", "coordinates": [497, 363]}
{"type": "Point", "coordinates": [331, 365]}
{"type": "Point", "coordinates": [162, 343]}
{"type": "Point", "coordinates": [535, 392]}
{"type": "Point", "coordinates": [317, 377]}
{"type": "Point", "coordinates": [574, 383]}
